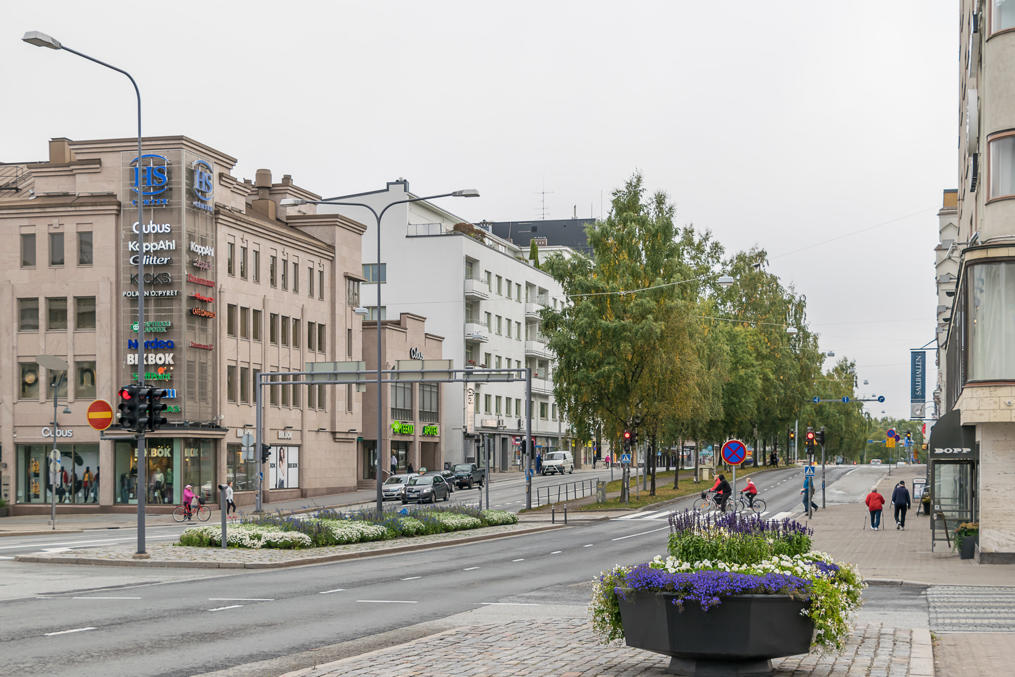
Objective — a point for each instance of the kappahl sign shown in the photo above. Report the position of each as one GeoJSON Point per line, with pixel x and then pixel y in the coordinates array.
{"type": "Point", "coordinates": [150, 180]}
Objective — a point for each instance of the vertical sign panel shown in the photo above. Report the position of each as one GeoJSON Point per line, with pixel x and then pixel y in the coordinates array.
{"type": "Point", "coordinates": [917, 383]}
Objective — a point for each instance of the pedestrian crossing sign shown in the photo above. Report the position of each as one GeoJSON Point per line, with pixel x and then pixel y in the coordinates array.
{"type": "Point", "coordinates": [809, 471]}
{"type": "Point", "coordinates": [625, 458]}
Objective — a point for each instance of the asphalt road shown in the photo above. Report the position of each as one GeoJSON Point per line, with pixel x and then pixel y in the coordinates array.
{"type": "Point", "coordinates": [177, 623]}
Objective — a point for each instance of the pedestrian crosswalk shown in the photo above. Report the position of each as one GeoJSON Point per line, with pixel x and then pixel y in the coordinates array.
{"type": "Point", "coordinates": [656, 515]}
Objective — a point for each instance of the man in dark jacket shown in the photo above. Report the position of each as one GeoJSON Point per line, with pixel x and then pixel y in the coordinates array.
{"type": "Point", "coordinates": [900, 499]}
{"type": "Point", "coordinates": [723, 491]}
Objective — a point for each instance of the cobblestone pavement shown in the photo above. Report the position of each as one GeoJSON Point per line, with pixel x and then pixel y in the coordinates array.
{"type": "Point", "coordinates": [566, 647]}
{"type": "Point", "coordinates": [169, 555]}
{"type": "Point", "coordinates": [966, 608]}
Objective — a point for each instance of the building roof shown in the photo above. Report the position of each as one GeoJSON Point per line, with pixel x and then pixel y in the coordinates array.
{"type": "Point", "coordinates": [563, 232]}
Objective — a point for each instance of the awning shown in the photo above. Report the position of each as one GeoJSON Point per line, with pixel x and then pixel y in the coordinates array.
{"type": "Point", "coordinates": [952, 441]}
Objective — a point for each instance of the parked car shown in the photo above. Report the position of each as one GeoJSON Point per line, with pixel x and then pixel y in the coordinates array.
{"type": "Point", "coordinates": [448, 476]}
{"type": "Point", "coordinates": [875, 461]}
{"type": "Point", "coordinates": [468, 474]}
{"type": "Point", "coordinates": [394, 487]}
{"type": "Point", "coordinates": [426, 489]}
{"type": "Point", "coordinates": [558, 462]}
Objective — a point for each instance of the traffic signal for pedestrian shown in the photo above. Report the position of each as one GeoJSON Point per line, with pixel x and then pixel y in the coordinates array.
{"type": "Point", "coordinates": [128, 408]}
{"type": "Point", "coordinates": [819, 436]}
{"type": "Point", "coordinates": [156, 408]}
{"type": "Point", "coordinates": [265, 452]}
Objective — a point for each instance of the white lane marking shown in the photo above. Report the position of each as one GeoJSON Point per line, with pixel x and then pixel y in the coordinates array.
{"type": "Point", "coordinates": [241, 599]}
{"type": "Point", "coordinates": [588, 545]}
{"type": "Point", "coordinates": [639, 515]}
{"type": "Point", "coordinates": [520, 559]}
{"type": "Point", "coordinates": [509, 604]}
{"type": "Point", "coordinates": [387, 601]}
{"type": "Point", "coordinates": [64, 632]}
{"type": "Point", "coordinates": [328, 592]}
{"type": "Point", "coordinates": [651, 531]}
{"type": "Point", "coordinates": [74, 544]}
{"type": "Point", "coordinates": [105, 597]}
{"type": "Point", "coordinates": [411, 578]}
{"type": "Point", "coordinates": [55, 549]}
{"type": "Point", "coordinates": [469, 568]}
{"type": "Point", "coordinates": [223, 608]}
{"type": "Point", "coordinates": [6, 557]}
{"type": "Point", "coordinates": [556, 552]}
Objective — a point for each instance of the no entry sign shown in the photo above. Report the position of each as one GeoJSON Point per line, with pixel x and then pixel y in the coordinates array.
{"type": "Point", "coordinates": [100, 414]}
{"type": "Point", "coordinates": [734, 452]}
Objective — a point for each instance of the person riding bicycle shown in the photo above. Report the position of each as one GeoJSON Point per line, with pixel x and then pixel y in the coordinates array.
{"type": "Point", "coordinates": [723, 491]}
{"type": "Point", "coordinates": [751, 490]}
{"type": "Point", "coordinates": [189, 498]}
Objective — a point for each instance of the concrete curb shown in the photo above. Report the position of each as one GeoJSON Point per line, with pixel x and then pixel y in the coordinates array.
{"type": "Point", "coordinates": [40, 532]}
{"type": "Point", "coordinates": [319, 559]}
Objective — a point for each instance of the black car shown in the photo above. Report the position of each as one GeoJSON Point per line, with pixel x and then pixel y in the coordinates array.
{"type": "Point", "coordinates": [426, 489]}
{"type": "Point", "coordinates": [448, 476]}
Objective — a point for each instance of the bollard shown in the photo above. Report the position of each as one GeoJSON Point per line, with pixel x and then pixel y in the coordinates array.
{"type": "Point", "coordinates": [553, 515]}
{"type": "Point", "coordinates": [565, 514]}
{"type": "Point", "coordinates": [222, 506]}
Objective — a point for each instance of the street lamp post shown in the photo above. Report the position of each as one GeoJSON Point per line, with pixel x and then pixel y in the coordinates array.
{"type": "Point", "coordinates": [42, 40]}
{"type": "Point", "coordinates": [344, 201]}
{"type": "Point", "coordinates": [54, 364]}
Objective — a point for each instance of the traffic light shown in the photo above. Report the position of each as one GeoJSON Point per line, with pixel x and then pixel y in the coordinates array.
{"type": "Point", "coordinates": [819, 436]}
{"type": "Point", "coordinates": [634, 437]}
{"type": "Point", "coordinates": [155, 408]}
{"type": "Point", "coordinates": [627, 439]}
{"type": "Point", "coordinates": [909, 438]}
{"type": "Point", "coordinates": [792, 435]}
{"type": "Point", "coordinates": [810, 437]}
{"type": "Point", "coordinates": [265, 452]}
{"type": "Point", "coordinates": [129, 403]}
{"type": "Point", "coordinates": [143, 414]}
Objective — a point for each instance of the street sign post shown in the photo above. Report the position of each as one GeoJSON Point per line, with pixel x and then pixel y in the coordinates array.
{"type": "Point", "coordinates": [809, 471]}
{"type": "Point", "coordinates": [100, 414]}
{"type": "Point", "coordinates": [625, 459]}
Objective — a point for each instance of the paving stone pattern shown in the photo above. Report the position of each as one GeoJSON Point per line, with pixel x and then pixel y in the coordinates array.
{"type": "Point", "coordinates": [966, 608]}
{"type": "Point", "coordinates": [566, 647]}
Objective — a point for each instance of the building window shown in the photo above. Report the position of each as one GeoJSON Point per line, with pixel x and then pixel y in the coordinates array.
{"type": "Point", "coordinates": [29, 380]}
{"type": "Point", "coordinates": [28, 314]}
{"type": "Point", "coordinates": [991, 323]}
{"type": "Point", "coordinates": [273, 328]}
{"type": "Point", "coordinates": [496, 362]}
{"type": "Point", "coordinates": [310, 281]}
{"type": "Point", "coordinates": [322, 397]}
{"type": "Point", "coordinates": [401, 402]}
{"type": "Point", "coordinates": [84, 312]}
{"type": "Point", "coordinates": [273, 394]}
{"type": "Point", "coordinates": [351, 291]}
{"type": "Point", "coordinates": [508, 328]}
{"type": "Point", "coordinates": [518, 292]}
{"type": "Point", "coordinates": [470, 269]}
{"type": "Point", "coordinates": [56, 249]}
{"type": "Point", "coordinates": [311, 336]}
{"type": "Point", "coordinates": [85, 248]}
{"type": "Point", "coordinates": [320, 285]}
{"type": "Point", "coordinates": [372, 313]}
{"type": "Point", "coordinates": [1002, 166]}
{"type": "Point", "coordinates": [255, 375]}
{"type": "Point", "coordinates": [497, 404]}
{"type": "Point", "coordinates": [542, 410]}
{"type": "Point", "coordinates": [28, 250]}
{"type": "Point", "coordinates": [285, 394]}
{"type": "Point", "coordinates": [1002, 15]}
{"type": "Point", "coordinates": [518, 330]}
{"type": "Point", "coordinates": [231, 319]}
{"type": "Point", "coordinates": [244, 323]}
{"type": "Point", "coordinates": [285, 330]}
{"type": "Point", "coordinates": [486, 404]}
{"type": "Point", "coordinates": [553, 412]}
{"type": "Point", "coordinates": [487, 278]}
{"type": "Point", "coordinates": [231, 258]}
{"type": "Point", "coordinates": [240, 470]}
{"type": "Point", "coordinates": [312, 397]}
{"type": "Point", "coordinates": [500, 325]}
{"type": "Point", "coordinates": [285, 275]}
{"type": "Point", "coordinates": [296, 334]}
{"type": "Point", "coordinates": [273, 270]}
{"type": "Point", "coordinates": [371, 275]}
{"type": "Point", "coordinates": [244, 384]}
{"type": "Point", "coordinates": [56, 313]}
{"type": "Point", "coordinates": [243, 262]}
{"type": "Point", "coordinates": [84, 380]}
{"type": "Point", "coordinates": [231, 382]}
{"type": "Point", "coordinates": [518, 407]}
{"type": "Point", "coordinates": [429, 403]}
{"type": "Point", "coordinates": [348, 341]}
{"type": "Point", "coordinates": [487, 362]}
{"type": "Point", "coordinates": [489, 321]}
{"type": "Point", "coordinates": [348, 397]}
{"type": "Point", "coordinates": [500, 286]}
{"type": "Point", "coordinates": [320, 338]}
{"type": "Point", "coordinates": [256, 272]}
{"type": "Point", "coordinates": [296, 277]}
{"type": "Point", "coordinates": [255, 325]}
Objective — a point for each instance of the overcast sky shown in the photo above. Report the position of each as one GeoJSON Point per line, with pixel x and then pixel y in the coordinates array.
{"type": "Point", "coordinates": [823, 132]}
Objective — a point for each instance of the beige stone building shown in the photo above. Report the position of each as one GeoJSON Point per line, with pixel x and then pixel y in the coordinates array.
{"type": "Point", "coordinates": [233, 288]}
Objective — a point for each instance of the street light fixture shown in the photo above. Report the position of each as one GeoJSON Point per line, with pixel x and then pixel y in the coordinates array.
{"type": "Point", "coordinates": [42, 40]}
{"type": "Point", "coordinates": [346, 201]}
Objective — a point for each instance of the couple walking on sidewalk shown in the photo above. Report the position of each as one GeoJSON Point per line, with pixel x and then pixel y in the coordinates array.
{"type": "Point", "coordinates": [900, 500]}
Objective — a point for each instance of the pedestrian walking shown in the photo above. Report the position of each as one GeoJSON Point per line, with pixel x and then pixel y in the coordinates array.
{"type": "Point", "coordinates": [230, 505]}
{"type": "Point", "coordinates": [902, 503]}
{"type": "Point", "coordinates": [875, 502]}
{"type": "Point", "coordinates": [808, 493]}
{"type": "Point", "coordinates": [394, 464]}
{"type": "Point", "coordinates": [539, 463]}
{"type": "Point", "coordinates": [408, 467]}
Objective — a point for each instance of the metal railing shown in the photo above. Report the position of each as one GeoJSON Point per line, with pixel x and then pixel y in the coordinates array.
{"type": "Point", "coordinates": [565, 491]}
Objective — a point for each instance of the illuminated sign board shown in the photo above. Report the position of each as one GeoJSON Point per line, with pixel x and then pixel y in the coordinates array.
{"type": "Point", "coordinates": [203, 185]}
{"type": "Point", "coordinates": [150, 180]}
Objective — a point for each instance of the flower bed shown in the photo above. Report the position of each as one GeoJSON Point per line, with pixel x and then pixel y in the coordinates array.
{"type": "Point", "coordinates": [749, 556]}
{"type": "Point", "coordinates": [333, 528]}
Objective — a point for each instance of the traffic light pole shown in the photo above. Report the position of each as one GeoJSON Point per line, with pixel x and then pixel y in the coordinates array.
{"type": "Point", "coordinates": [822, 475]}
{"type": "Point", "coordinates": [529, 445]}
{"type": "Point", "coordinates": [257, 441]}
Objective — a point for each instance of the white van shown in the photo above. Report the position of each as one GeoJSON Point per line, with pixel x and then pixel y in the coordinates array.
{"type": "Point", "coordinates": [558, 462]}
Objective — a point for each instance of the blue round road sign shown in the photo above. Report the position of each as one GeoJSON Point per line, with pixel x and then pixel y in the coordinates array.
{"type": "Point", "coordinates": [734, 452]}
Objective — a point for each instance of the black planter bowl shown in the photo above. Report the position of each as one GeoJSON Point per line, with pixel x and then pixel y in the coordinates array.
{"type": "Point", "coordinates": [735, 639]}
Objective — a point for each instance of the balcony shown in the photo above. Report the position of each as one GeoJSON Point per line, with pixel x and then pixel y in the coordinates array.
{"type": "Point", "coordinates": [541, 386]}
{"type": "Point", "coordinates": [476, 289]}
{"type": "Point", "coordinates": [538, 349]}
{"type": "Point", "coordinates": [532, 310]}
{"type": "Point", "coordinates": [476, 332]}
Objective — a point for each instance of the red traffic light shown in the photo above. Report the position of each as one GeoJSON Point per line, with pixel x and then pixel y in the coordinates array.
{"type": "Point", "coordinates": [125, 394]}
{"type": "Point", "coordinates": [627, 434]}
{"type": "Point", "coordinates": [810, 435]}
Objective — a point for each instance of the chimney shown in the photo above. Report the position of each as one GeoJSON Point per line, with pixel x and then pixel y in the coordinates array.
{"type": "Point", "coordinates": [59, 150]}
{"type": "Point", "coordinates": [263, 204]}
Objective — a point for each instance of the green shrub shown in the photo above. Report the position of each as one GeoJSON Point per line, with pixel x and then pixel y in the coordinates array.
{"type": "Point", "coordinates": [497, 517]}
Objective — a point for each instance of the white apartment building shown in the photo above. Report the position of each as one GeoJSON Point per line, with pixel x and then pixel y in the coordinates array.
{"type": "Point", "coordinates": [480, 293]}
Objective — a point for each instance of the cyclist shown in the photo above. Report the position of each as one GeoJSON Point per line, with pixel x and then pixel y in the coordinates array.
{"type": "Point", "coordinates": [189, 498]}
{"type": "Point", "coordinates": [751, 490]}
{"type": "Point", "coordinates": [723, 491]}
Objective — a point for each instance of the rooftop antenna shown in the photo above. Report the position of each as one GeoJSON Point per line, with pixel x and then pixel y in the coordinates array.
{"type": "Point", "coordinates": [542, 204]}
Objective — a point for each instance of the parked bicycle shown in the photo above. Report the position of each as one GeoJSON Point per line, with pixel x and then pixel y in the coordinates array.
{"type": "Point", "coordinates": [201, 513]}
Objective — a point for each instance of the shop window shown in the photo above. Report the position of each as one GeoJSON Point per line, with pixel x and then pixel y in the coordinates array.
{"type": "Point", "coordinates": [1002, 15]}
{"type": "Point", "coordinates": [84, 380]}
{"type": "Point", "coordinates": [320, 338]}
{"type": "Point", "coordinates": [84, 312]}
{"type": "Point", "coordinates": [244, 385]}
{"type": "Point", "coordinates": [991, 324]}
{"type": "Point", "coordinates": [56, 249]}
{"type": "Point", "coordinates": [255, 326]}
{"type": "Point", "coordinates": [231, 319]}
{"type": "Point", "coordinates": [243, 262]}
{"type": "Point", "coordinates": [256, 268]}
{"type": "Point", "coordinates": [1002, 166]}
{"type": "Point", "coordinates": [29, 380]}
{"type": "Point", "coordinates": [285, 330]}
{"type": "Point", "coordinates": [85, 256]}
{"type": "Point", "coordinates": [230, 258]}
{"type": "Point", "coordinates": [273, 328]}
{"type": "Point", "coordinates": [296, 277]}
{"type": "Point", "coordinates": [231, 383]}
{"type": "Point", "coordinates": [167, 472]}
{"type": "Point", "coordinates": [296, 332]}
{"type": "Point", "coordinates": [27, 250]}
{"type": "Point", "coordinates": [244, 322]}
{"type": "Point", "coordinates": [241, 469]}
{"type": "Point", "coordinates": [311, 335]}
{"type": "Point", "coordinates": [76, 483]}
{"type": "Point", "coordinates": [284, 467]}
{"type": "Point", "coordinates": [56, 314]}
{"type": "Point", "coordinates": [273, 270]}
{"type": "Point", "coordinates": [198, 467]}
{"type": "Point", "coordinates": [28, 314]}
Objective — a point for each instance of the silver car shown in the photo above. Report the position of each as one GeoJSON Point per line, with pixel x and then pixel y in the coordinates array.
{"type": "Point", "coordinates": [393, 488]}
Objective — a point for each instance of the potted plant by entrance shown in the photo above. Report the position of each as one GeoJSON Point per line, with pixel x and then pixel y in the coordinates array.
{"type": "Point", "coordinates": [4, 510]}
{"type": "Point", "coordinates": [967, 535]}
{"type": "Point", "coordinates": [733, 593]}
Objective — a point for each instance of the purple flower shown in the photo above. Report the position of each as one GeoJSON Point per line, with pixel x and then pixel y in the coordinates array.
{"type": "Point", "coordinates": [708, 588]}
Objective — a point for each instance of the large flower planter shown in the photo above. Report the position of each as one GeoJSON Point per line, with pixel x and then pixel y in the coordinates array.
{"type": "Point", "coordinates": [736, 638]}
{"type": "Point", "coordinates": [967, 547]}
